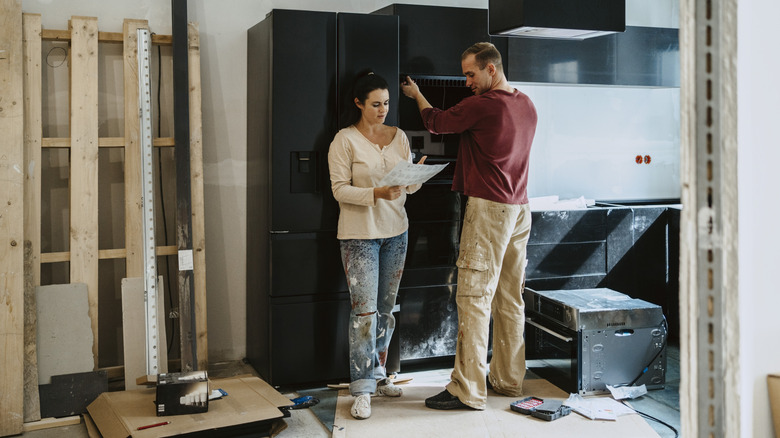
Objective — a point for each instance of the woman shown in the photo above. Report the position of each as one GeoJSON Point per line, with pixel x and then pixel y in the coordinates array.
{"type": "Point", "coordinates": [372, 231]}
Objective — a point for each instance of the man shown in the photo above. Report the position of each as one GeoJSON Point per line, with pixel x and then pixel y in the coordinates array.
{"type": "Point", "coordinates": [497, 127]}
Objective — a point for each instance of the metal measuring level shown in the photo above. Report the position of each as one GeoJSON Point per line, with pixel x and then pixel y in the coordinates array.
{"type": "Point", "coordinates": [147, 179]}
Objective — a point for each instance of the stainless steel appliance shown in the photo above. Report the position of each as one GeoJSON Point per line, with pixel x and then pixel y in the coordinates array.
{"type": "Point", "coordinates": [585, 339]}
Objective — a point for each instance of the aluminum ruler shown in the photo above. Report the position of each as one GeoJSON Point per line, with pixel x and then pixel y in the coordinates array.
{"type": "Point", "coordinates": [147, 183]}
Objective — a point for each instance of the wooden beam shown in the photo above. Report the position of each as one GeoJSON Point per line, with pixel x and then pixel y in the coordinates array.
{"type": "Point", "coordinates": [84, 163]}
{"type": "Point", "coordinates": [198, 207]}
{"type": "Point", "coordinates": [134, 214]}
{"type": "Point", "coordinates": [48, 423]}
{"type": "Point", "coordinates": [103, 37]}
{"type": "Point", "coordinates": [11, 219]}
{"type": "Point", "coordinates": [103, 142]}
{"type": "Point", "coordinates": [31, 25]}
{"type": "Point", "coordinates": [104, 254]}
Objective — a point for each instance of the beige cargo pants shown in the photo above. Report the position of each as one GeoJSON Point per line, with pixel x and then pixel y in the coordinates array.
{"type": "Point", "coordinates": [491, 273]}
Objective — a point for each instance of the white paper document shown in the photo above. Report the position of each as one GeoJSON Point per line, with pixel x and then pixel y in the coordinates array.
{"type": "Point", "coordinates": [406, 174]}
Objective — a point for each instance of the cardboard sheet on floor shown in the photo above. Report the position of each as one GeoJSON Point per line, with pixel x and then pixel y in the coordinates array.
{"type": "Point", "coordinates": [497, 420]}
{"type": "Point", "coordinates": [250, 401]}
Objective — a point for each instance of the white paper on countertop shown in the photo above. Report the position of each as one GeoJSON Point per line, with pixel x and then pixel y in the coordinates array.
{"type": "Point", "coordinates": [406, 174]}
{"type": "Point", "coordinates": [546, 203]}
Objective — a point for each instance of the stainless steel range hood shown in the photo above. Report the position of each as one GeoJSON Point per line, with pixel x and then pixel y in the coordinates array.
{"type": "Point", "coordinates": [562, 19]}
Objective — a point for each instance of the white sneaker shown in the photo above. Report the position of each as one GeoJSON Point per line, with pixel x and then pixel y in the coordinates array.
{"type": "Point", "coordinates": [361, 407]}
{"type": "Point", "coordinates": [388, 389]}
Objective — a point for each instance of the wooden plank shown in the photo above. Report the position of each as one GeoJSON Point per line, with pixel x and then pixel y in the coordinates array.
{"type": "Point", "coordinates": [84, 163]}
{"type": "Point", "coordinates": [134, 330]}
{"type": "Point", "coordinates": [134, 214]}
{"type": "Point", "coordinates": [48, 423]}
{"type": "Point", "coordinates": [198, 208]}
{"type": "Point", "coordinates": [103, 142]}
{"type": "Point", "coordinates": [11, 219]}
{"type": "Point", "coordinates": [103, 37]}
{"type": "Point", "coordinates": [31, 26]}
{"type": "Point", "coordinates": [104, 254]}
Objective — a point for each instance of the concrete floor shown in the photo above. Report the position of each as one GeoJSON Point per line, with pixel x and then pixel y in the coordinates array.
{"type": "Point", "coordinates": [317, 421]}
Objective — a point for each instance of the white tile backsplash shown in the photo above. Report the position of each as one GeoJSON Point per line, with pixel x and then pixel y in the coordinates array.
{"type": "Point", "coordinates": [588, 138]}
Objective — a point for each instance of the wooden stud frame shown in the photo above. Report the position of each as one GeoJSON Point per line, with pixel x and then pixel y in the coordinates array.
{"type": "Point", "coordinates": [21, 143]}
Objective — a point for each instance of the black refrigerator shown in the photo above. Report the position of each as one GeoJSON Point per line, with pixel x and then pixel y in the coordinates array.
{"type": "Point", "coordinates": [299, 65]}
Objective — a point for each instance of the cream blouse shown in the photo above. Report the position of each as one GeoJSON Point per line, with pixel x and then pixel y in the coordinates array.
{"type": "Point", "coordinates": [356, 166]}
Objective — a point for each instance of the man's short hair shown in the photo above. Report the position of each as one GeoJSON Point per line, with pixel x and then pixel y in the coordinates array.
{"type": "Point", "coordinates": [484, 54]}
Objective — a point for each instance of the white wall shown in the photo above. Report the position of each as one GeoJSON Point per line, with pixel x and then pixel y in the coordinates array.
{"type": "Point", "coordinates": [223, 26]}
{"type": "Point", "coordinates": [758, 180]}
{"type": "Point", "coordinates": [588, 138]}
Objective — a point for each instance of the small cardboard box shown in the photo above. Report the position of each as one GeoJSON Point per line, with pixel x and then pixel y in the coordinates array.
{"type": "Point", "coordinates": [250, 405]}
{"type": "Point", "coordinates": [182, 393]}
{"type": "Point", "coordinates": [773, 381]}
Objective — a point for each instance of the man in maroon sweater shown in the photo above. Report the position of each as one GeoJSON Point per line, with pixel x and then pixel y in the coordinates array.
{"type": "Point", "coordinates": [497, 126]}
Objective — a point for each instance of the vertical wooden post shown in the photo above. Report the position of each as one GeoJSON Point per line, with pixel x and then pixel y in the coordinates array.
{"type": "Point", "coordinates": [11, 219]}
{"type": "Point", "coordinates": [31, 24]}
{"type": "Point", "coordinates": [198, 208]}
{"type": "Point", "coordinates": [133, 187]}
{"type": "Point", "coordinates": [134, 220]}
{"type": "Point", "coordinates": [84, 163]}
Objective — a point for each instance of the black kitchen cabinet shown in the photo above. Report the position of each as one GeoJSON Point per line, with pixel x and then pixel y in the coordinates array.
{"type": "Point", "coordinates": [299, 64]}
{"type": "Point", "coordinates": [630, 249]}
{"type": "Point", "coordinates": [432, 38]}
{"type": "Point", "coordinates": [640, 56]}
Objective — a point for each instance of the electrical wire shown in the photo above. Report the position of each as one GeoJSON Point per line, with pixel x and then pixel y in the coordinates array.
{"type": "Point", "coordinates": [650, 417]}
{"type": "Point", "coordinates": [665, 326]}
{"type": "Point", "coordinates": [162, 196]}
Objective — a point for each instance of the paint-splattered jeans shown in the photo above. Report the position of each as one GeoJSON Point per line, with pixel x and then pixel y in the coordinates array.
{"type": "Point", "coordinates": [373, 268]}
{"type": "Point", "coordinates": [491, 273]}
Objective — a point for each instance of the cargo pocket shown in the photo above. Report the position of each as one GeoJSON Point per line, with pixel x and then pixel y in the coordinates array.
{"type": "Point", "coordinates": [472, 274]}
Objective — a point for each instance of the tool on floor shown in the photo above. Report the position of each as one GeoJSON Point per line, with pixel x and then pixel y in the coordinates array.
{"type": "Point", "coordinates": [303, 402]}
{"type": "Point", "coordinates": [547, 410]}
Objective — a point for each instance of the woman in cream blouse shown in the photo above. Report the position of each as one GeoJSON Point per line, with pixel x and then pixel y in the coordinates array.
{"type": "Point", "coordinates": [372, 231]}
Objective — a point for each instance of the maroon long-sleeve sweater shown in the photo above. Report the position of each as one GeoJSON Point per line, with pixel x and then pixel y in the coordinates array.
{"type": "Point", "coordinates": [497, 129]}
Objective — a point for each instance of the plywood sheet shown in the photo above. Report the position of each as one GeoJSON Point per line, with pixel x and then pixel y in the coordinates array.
{"type": "Point", "coordinates": [134, 329]}
{"type": "Point", "coordinates": [64, 331]}
{"type": "Point", "coordinates": [498, 420]}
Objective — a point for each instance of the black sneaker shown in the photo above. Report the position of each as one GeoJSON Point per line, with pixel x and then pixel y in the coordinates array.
{"type": "Point", "coordinates": [445, 400]}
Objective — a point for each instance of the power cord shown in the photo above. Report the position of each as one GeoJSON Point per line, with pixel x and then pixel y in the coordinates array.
{"type": "Point", "coordinates": [665, 326]}
{"type": "Point", "coordinates": [650, 417]}
{"type": "Point", "coordinates": [162, 197]}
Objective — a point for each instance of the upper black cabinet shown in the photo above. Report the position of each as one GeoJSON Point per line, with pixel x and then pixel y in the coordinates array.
{"type": "Point", "coordinates": [640, 56]}
{"type": "Point", "coordinates": [432, 38]}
